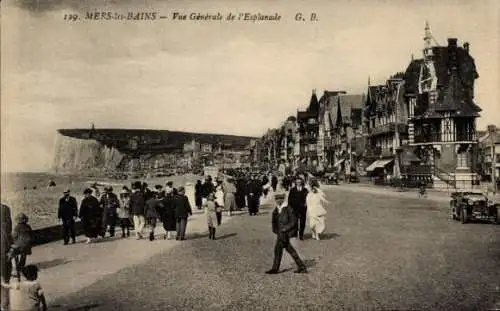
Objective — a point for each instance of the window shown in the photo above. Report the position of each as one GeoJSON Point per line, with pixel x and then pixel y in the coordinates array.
{"type": "Point", "coordinates": [411, 107]}
{"type": "Point", "coordinates": [463, 159]}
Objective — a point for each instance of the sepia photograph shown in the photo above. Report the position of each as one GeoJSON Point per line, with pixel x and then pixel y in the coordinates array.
{"type": "Point", "coordinates": [250, 155]}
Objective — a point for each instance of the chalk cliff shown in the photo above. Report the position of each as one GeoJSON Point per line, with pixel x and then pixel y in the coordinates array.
{"type": "Point", "coordinates": [84, 156]}
{"type": "Point", "coordinates": [116, 151]}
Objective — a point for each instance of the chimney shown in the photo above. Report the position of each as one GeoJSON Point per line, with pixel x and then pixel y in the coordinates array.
{"type": "Point", "coordinates": [466, 47]}
{"type": "Point", "coordinates": [452, 53]}
{"type": "Point", "coordinates": [452, 42]}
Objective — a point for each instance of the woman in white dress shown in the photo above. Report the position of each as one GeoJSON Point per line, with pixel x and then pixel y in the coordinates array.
{"type": "Point", "coordinates": [316, 209]}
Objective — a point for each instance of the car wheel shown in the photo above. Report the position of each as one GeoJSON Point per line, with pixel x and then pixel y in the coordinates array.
{"type": "Point", "coordinates": [463, 216]}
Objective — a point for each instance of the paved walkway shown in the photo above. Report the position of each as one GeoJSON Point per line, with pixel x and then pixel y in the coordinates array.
{"type": "Point", "coordinates": [70, 268]}
{"type": "Point", "coordinates": [439, 196]}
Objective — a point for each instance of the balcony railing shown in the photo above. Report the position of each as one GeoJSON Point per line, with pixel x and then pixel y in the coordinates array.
{"type": "Point", "coordinates": [437, 137]}
{"type": "Point", "coordinates": [387, 128]}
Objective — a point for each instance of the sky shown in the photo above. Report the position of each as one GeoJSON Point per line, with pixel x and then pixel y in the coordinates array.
{"type": "Point", "coordinates": [212, 76]}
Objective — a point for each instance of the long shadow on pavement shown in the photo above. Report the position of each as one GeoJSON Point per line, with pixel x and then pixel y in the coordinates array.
{"type": "Point", "coordinates": [324, 236]}
{"type": "Point", "coordinates": [225, 236]}
{"type": "Point", "coordinates": [196, 236]}
{"type": "Point", "coordinates": [51, 263]}
{"type": "Point", "coordinates": [310, 262]}
{"type": "Point", "coordinates": [85, 308]}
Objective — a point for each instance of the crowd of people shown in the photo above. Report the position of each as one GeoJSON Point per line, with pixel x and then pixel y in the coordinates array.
{"type": "Point", "coordinates": [296, 198]}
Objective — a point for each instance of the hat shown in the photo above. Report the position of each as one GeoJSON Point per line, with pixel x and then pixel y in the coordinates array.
{"type": "Point", "coordinates": [87, 191]}
{"type": "Point", "coordinates": [22, 218]}
{"type": "Point", "coordinates": [66, 191]}
{"type": "Point", "coordinates": [314, 183]}
{"type": "Point", "coordinates": [124, 191]}
{"type": "Point", "coordinates": [170, 183]}
{"type": "Point", "coordinates": [279, 195]}
{"type": "Point", "coordinates": [180, 189]}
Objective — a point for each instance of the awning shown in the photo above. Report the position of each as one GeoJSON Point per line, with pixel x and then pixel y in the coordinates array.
{"type": "Point", "coordinates": [338, 163]}
{"type": "Point", "coordinates": [378, 164]}
{"type": "Point", "coordinates": [372, 166]}
{"type": "Point", "coordinates": [383, 163]}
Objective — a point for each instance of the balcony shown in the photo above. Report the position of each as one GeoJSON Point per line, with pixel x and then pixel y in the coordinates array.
{"type": "Point", "coordinates": [387, 128]}
{"type": "Point", "coordinates": [422, 170]}
{"type": "Point", "coordinates": [437, 137]}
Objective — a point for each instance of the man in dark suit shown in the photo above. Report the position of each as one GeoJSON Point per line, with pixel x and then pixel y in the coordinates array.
{"type": "Point", "coordinates": [67, 213]}
{"type": "Point", "coordinates": [182, 212]}
{"type": "Point", "coordinates": [284, 223]}
{"type": "Point", "coordinates": [297, 201]}
{"type": "Point", "coordinates": [254, 191]}
{"type": "Point", "coordinates": [6, 264]}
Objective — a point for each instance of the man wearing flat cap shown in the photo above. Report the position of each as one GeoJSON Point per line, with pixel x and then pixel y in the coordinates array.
{"type": "Point", "coordinates": [284, 224]}
{"type": "Point", "coordinates": [67, 213]}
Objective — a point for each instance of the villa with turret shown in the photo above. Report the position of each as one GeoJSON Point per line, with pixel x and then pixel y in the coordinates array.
{"type": "Point", "coordinates": [439, 94]}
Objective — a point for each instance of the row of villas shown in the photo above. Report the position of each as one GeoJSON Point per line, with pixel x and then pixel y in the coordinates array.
{"type": "Point", "coordinates": [196, 154]}
{"type": "Point", "coordinates": [418, 125]}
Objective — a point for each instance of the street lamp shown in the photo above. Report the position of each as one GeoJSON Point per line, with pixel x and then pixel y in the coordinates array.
{"type": "Point", "coordinates": [492, 130]}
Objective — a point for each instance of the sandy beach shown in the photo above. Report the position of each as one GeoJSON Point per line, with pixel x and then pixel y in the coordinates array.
{"type": "Point", "coordinates": [39, 201]}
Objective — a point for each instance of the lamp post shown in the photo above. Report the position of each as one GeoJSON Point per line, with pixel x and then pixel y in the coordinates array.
{"type": "Point", "coordinates": [492, 133]}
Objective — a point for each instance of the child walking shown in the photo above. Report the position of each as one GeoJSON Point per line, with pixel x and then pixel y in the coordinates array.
{"type": "Point", "coordinates": [211, 214]}
{"type": "Point", "coordinates": [124, 213]}
{"type": "Point", "coordinates": [26, 295]}
{"type": "Point", "coordinates": [21, 246]}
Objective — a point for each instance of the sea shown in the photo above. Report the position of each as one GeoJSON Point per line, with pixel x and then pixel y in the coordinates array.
{"type": "Point", "coordinates": [31, 193]}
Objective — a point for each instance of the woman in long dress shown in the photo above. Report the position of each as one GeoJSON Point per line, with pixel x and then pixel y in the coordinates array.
{"type": "Point", "coordinates": [91, 216]}
{"type": "Point", "coordinates": [229, 197]}
{"type": "Point", "coordinates": [316, 211]}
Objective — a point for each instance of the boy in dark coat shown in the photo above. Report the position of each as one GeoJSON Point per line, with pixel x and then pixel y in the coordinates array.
{"type": "Point", "coordinates": [22, 239]}
{"type": "Point", "coordinates": [153, 205]}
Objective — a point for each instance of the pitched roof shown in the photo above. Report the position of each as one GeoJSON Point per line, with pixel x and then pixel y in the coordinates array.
{"type": "Point", "coordinates": [313, 104]}
{"type": "Point", "coordinates": [351, 107]}
{"type": "Point", "coordinates": [387, 97]}
{"type": "Point", "coordinates": [456, 73]}
{"type": "Point", "coordinates": [412, 75]}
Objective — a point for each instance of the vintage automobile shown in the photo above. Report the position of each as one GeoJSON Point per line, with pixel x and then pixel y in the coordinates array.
{"type": "Point", "coordinates": [466, 206]}
{"type": "Point", "coordinates": [331, 179]}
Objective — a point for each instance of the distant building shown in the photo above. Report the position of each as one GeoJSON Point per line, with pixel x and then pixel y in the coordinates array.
{"type": "Point", "coordinates": [206, 148]}
{"type": "Point", "coordinates": [192, 146]}
{"type": "Point", "coordinates": [386, 118]}
{"type": "Point", "coordinates": [485, 147]}
{"type": "Point", "coordinates": [288, 142]}
{"type": "Point", "coordinates": [308, 128]}
{"type": "Point", "coordinates": [326, 128]}
{"type": "Point", "coordinates": [346, 116]}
